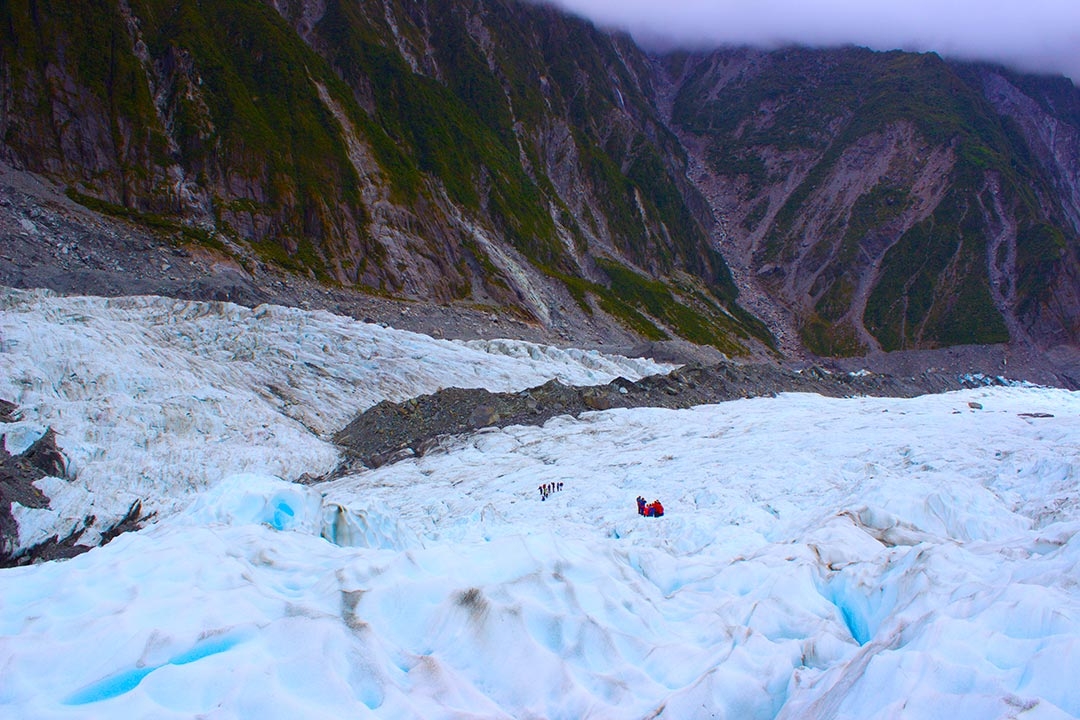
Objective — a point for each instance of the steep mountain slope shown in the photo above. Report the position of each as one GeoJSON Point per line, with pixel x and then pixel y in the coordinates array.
{"type": "Point", "coordinates": [499, 154]}
{"type": "Point", "coordinates": [892, 200]}
{"type": "Point", "coordinates": [490, 151]}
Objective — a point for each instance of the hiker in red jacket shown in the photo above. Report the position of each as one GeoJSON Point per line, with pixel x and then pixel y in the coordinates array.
{"type": "Point", "coordinates": [654, 509]}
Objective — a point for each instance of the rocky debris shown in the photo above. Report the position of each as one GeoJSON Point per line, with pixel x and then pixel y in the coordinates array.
{"type": "Point", "coordinates": [18, 473]}
{"type": "Point", "coordinates": [133, 519]}
{"type": "Point", "coordinates": [1054, 367]}
{"type": "Point", "coordinates": [57, 548]}
{"type": "Point", "coordinates": [7, 411]}
{"type": "Point", "coordinates": [17, 476]}
{"type": "Point", "coordinates": [389, 432]}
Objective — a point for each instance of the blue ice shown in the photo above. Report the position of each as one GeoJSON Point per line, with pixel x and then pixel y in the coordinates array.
{"type": "Point", "coordinates": [127, 680]}
{"type": "Point", "coordinates": [855, 621]}
{"type": "Point", "coordinates": [283, 516]}
{"type": "Point", "coordinates": [110, 687]}
{"type": "Point", "coordinates": [863, 609]}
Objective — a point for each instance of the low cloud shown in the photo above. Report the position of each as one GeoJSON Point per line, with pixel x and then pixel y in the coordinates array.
{"type": "Point", "coordinates": [1032, 35]}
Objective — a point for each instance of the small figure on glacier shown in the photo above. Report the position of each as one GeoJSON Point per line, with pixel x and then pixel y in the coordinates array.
{"type": "Point", "coordinates": [640, 505]}
{"type": "Point", "coordinates": [654, 509]}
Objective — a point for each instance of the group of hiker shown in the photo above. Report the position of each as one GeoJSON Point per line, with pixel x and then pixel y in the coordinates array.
{"type": "Point", "coordinates": [653, 509]}
{"type": "Point", "coordinates": [645, 509]}
{"type": "Point", "coordinates": [548, 488]}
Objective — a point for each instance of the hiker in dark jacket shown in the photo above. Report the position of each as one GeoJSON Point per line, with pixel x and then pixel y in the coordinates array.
{"type": "Point", "coordinates": [640, 505]}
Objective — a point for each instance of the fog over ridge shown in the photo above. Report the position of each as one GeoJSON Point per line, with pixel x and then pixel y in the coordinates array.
{"type": "Point", "coordinates": [1037, 36]}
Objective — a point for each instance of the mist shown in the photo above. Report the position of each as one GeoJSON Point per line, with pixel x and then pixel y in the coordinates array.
{"type": "Point", "coordinates": [1037, 36]}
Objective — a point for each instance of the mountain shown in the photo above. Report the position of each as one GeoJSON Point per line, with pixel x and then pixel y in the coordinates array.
{"type": "Point", "coordinates": [892, 200]}
{"type": "Point", "coordinates": [500, 154]}
{"type": "Point", "coordinates": [446, 151]}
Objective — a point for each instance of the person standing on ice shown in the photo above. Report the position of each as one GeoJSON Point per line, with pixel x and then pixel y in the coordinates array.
{"type": "Point", "coordinates": [640, 505]}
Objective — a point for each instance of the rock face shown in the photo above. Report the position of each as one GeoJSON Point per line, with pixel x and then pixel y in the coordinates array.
{"type": "Point", "coordinates": [492, 152]}
{"type": "Point", "coordinates": [890, 201]}
{"type": "Point", "coordinates": [502, 154]}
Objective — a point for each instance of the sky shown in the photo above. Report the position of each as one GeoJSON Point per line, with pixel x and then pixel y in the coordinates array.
{"type": "Point", "coordinates": [1040, 35]}
{"type": "Point", "coordinates": [910, 558]}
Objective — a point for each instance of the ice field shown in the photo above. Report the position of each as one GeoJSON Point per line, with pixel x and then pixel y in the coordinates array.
{"type": "Point", "coordinates": [819, 558]}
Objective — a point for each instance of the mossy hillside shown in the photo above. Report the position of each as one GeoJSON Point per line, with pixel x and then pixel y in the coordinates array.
{"type": "Point", "coordinates": [1040, 247]}
{"type": "Point", "coordinates": [629, 170]}
{"type": "Point", "coordinates": [299, 258]}
{"type": "Point", "coordinates": [87, 42]}
{"type": "Point", "coordinates": [584, 290]}
{"type": "Point", "coordinates": [1056, 95]}
{"type": "Point", "coordinates": [728, 158]}
{"type": "Point", "coordinates": [873, 210]}
{"type": "Point", "coordinates": [639, 303]}
{"type": "Point", "coordinates": [934, 289]}
{"type": "Point", "coordinates": [257, 79]}
{"type": "Point", "coordinates": [262, 127]}
{"type": "Point", "coordinates": [511, 81]}
{"type": "Point", "coordinates": [687, 311]}
{"type": "Point", "coordinates": [621, 194]}
{"type": "Point", "coordinates": [167, 226]}
{"type": "Point", "coordinates": [827, 338]}
{"type": "Point", "coordinates": [945, 297]}
{"type": "Point", "coordinates": [646, 171]}
{"type": "Point", "coordinates": [243, 108]}
{"type": "Point", "coordinates": [518, 63]}
{"type": "Point", "coordinates": [857, 91]}
{"type": "Point", "coordinates": [584, 68]}
{"type": "Point", "coordinates": [465, 141]}
{"type": "Point", "coordinates": [465, 68]}
{"type": "Point", "coordinates": [628, 166]}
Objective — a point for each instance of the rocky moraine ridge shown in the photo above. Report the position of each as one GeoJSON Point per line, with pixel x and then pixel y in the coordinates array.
{"type": "Point", "coordinates": [389, 431]}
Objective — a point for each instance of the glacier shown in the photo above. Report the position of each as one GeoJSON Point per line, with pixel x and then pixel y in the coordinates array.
{"type": "Point", "coordinates": [819, 558]}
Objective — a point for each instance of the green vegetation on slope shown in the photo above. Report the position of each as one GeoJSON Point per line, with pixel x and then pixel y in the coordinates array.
{"type": "Point", "coordinates": [41, 41]}
{"type": "Point", "coordinates": [228, 91]}
{"type": "Point", "coordinates": [934, 283]}
{"type": "Point", "coordinates": [465, 141]}
{"type": "Point", "coordinates": [932, 289]}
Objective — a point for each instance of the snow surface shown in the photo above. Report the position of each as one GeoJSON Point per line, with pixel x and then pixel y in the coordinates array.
{"type": "Point", "coordinates": [820, 558]}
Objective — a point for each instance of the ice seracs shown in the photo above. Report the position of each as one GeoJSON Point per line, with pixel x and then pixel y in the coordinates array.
{"type": "Point", "coordinates": [156, 399]}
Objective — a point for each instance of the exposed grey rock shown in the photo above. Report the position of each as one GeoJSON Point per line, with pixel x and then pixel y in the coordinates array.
{"type": "Point", "coordinates": [17, 476]}
{"type": "Point", "coordinates": [18, 473]}
{"type": "Point", "coordinates": [390, 431]}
